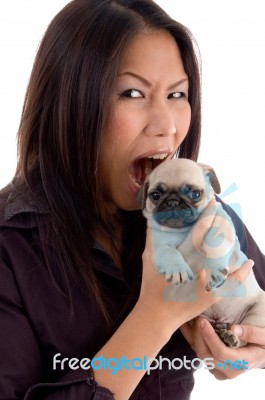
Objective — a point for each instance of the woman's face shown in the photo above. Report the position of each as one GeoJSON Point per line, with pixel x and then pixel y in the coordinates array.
{"type": "Point", "coordinates": [149, 115]}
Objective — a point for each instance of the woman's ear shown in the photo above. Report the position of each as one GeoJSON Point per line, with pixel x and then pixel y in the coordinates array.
{"type": "Point", "coordinates": [209, 171]}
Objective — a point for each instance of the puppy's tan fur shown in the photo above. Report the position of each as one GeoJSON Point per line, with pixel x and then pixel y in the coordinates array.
{"type": "Point", "coordinates": [174, 198]}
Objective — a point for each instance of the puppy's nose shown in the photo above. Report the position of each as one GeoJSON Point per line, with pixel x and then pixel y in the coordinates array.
{"type": "Point", "coordinates": [173, 203]}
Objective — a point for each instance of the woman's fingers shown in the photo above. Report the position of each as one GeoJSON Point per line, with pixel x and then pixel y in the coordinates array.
{"type": "Point", "coordinates": [234, 284]}
{"type": "Point", "coordinates": [241, 273]}
{"type": "Point", "coordinates": [250, 334]}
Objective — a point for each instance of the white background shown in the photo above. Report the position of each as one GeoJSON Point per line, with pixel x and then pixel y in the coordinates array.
{"type": "Point", "coordinates": [231, 38]}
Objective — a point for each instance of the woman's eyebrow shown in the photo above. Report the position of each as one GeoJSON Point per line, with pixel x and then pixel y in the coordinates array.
{"type": "Point", "coordinates": [176, 84]}
{"type": "Point", "coordinates": [134, 75]}
{"type": "Point", "coordinates": [149, 84]}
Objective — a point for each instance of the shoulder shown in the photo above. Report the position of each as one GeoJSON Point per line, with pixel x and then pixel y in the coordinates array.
{"type": "Point", "coordinates": [19, 205]}
{"type": "Point", "coordinates": [4, 195]}
{"type": "Point", "coordinates": [21, 212]}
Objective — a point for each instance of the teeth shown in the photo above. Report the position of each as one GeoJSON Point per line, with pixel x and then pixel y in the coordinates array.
{"type": "Point", "coordinates": [158, 156]}
{"type": "Point", "coordinates": [147, 167]}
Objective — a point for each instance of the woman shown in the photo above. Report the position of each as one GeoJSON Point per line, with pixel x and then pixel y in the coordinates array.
{"type": "Point", "coordinates": [114, 90]}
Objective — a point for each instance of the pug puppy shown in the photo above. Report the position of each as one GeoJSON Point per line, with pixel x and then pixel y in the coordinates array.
{"type": "Point", "coordinates": [178, 200]}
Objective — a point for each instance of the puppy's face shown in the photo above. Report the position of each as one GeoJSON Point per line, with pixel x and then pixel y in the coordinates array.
{"type": "Point", "coordinates": [177, 191]}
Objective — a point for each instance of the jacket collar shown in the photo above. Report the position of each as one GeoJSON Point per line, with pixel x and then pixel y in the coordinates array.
{"type": "Point", "coordinates": [19, 206]}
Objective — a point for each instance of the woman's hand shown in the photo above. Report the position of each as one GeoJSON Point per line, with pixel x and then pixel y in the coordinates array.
{"type": "Point", "coordinates": [206, 343]}
{"type": "Point", "coordinates": [172, 305]}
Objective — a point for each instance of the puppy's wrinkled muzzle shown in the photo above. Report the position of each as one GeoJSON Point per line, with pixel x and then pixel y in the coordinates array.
{"type": "Point", "coordinates": [176, 218]}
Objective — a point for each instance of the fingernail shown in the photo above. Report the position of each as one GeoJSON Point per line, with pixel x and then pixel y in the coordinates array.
{"type": "Point", "coordinates": [238, 330]}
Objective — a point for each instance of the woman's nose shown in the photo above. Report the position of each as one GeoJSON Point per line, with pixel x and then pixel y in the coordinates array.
{"type": "Point", "coordinates": [161, 120]}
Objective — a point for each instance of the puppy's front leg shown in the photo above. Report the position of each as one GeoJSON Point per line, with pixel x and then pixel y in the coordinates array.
{"type": "Point", "coordinates": [169, 261]}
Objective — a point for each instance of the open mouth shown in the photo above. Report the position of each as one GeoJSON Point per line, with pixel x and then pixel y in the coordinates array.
{"type": "Point", "coordinates": [142, 167]}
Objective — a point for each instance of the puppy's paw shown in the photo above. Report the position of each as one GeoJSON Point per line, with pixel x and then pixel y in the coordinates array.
{"type": "Point", "coordinates": [179, 278]}
{"type": "Point", "coordinates": [171, 263]}
{"type": "Point", "coordinates": [216, 279]}
{"type": "Point", "coordinates": [229, 338]}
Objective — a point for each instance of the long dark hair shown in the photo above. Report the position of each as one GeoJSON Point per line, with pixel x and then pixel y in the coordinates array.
{"type": "Point", "coordinates": [61, 128]}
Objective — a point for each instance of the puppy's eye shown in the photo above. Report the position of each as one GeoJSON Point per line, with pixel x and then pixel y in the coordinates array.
{"type": "Point", "coordinates": [194, 194]}
{"type": "Point", "coordinates": [155, 195]}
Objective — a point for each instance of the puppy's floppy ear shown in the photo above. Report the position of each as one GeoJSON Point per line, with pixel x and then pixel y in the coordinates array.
{"type": "Point", "coordinates": [142, 194]}
{"type": "Point", "coordinates": [209, 171]}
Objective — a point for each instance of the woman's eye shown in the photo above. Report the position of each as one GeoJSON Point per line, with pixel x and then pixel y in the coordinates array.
{"type": "Point", "coordinates": [132, 93]}
{"type": "Point", "coordinates": [176, 95]}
